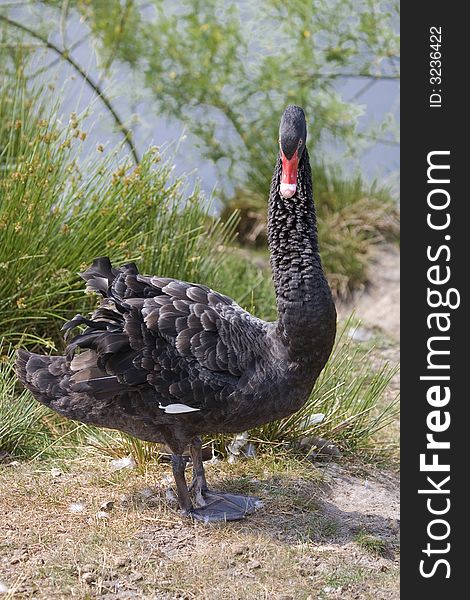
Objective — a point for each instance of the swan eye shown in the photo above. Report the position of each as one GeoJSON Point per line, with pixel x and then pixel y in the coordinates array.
{"type": "Point", "coordinates": [300, 142]}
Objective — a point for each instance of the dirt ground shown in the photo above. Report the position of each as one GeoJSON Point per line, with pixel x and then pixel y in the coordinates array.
{"type": "Point", "coordinates": [378, 304]}
{"type": "Point", "coordinates": [78, 529]}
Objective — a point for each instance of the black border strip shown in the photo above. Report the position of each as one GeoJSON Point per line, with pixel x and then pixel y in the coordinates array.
{"type": "Point", "coordinates": [426, 128]}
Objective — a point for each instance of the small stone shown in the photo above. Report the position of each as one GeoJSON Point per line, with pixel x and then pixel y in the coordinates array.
{"type": "Point", "coordinates": [146, 493]}
{"type": "Point", "coordinates": [254, 564]}
{"type": "Point", "coordinates": [360, 334]}
{"type": "Point", "coordinates": [249, 451]}
{"type": "Point", "coordinates": [3, 588]}
{"type": "Point", "coordinates": [107, 506]}
{"type": "Point", "coordinates": [166, 480]}
{"type": "Point", "coordinates": [125, 499]}
{"type": "Point", "coordinates": [236, 445]}
{"type": "Point", "coordinates": [319, 448]}
{"type": "Point", "coordinates": [316, 418]}
{"type": "Point", "coordinates": [88, 577]}
{"type": "Point", "coordinates": [239, 549]}
{"type": "Point", "coordinates": [5, 457]}
{"type": "Point", "coordinates": [123, 463]}
{"type": "Point", "coordinates": [102, 515]}
{"type": "Point", "coordinates": [56, 472]}
{"type": "Point", "coordinates": [171, 497]}
{"type": "Point", "coordinates": [121, 561]}
{"type": "Point", "coordinates": [17, 558]}
{"type": "Point", "coordinates": [76, 507]}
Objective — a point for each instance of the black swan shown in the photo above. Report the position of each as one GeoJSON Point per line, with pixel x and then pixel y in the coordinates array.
{"type": "Point", "coordinates": [168, 361]}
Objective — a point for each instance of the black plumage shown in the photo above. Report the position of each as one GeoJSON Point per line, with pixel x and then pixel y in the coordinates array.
{"type": "Point", "coordinates": [168, 361]}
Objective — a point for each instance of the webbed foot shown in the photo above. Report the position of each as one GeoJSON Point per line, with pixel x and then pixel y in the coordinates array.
{"type": "Point", "coordinates": [221, 506]}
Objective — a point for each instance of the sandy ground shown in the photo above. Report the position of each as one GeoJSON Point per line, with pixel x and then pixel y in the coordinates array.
{"type": "Point", "coordinates": [378, 304]}
{"type": "Point", "coordinates": [77, 529]}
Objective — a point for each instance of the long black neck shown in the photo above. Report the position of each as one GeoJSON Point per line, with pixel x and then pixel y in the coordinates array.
{"type": "Point", "coordinates": [306, 311]}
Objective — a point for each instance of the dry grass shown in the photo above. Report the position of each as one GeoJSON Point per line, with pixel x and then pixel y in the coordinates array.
{"type": "Point", "coordinates": [291, 548]}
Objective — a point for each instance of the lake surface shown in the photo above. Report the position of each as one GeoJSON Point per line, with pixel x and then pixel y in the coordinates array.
{"type": "Point", "coordinates": [380, 161]}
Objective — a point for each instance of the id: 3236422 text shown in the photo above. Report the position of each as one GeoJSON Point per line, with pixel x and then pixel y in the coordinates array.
{"type": "Point", "coordinates": [435, 67]}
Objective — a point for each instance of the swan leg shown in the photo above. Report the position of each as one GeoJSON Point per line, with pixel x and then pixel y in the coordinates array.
{"type": "Point", "coordinates": [199, 483]}
{"type": "Point", "coordinates": [211, 505]}
{"type": "Point", "coordinates": [178, 463]}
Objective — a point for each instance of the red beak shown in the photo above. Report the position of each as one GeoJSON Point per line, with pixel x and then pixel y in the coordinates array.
{"type": "Point", "coordinates": [289, 175]}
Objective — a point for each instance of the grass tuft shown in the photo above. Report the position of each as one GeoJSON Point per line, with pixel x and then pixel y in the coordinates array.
{"type": "Point", "coordinates": [370, 543]}
{"type": "Point", "coordinates": [58, 213]}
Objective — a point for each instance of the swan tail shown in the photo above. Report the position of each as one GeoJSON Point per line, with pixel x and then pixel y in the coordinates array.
{"type": "Point", "coordinates": [46, 377]}
{"type": "Point", "coordinates": [118, 284]}
{"type": "Point", "coordinates": [100, 276]}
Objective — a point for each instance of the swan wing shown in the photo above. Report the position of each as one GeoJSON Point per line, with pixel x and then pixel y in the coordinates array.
{"type": "Point", "coordinates": [184, 340]}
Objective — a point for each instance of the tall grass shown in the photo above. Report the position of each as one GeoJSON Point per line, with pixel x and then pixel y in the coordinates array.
{"type": "Point", "coordinates": [58, 213]}
{"type": "Point", "coordinates": [353, 216]}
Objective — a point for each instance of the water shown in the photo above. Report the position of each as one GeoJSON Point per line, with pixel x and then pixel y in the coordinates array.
{"type": "Point", "coordinates": [380, 161]}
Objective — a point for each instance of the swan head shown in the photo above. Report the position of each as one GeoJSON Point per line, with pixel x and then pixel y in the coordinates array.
{"type": "Point", "coordinates": [292, 139]}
